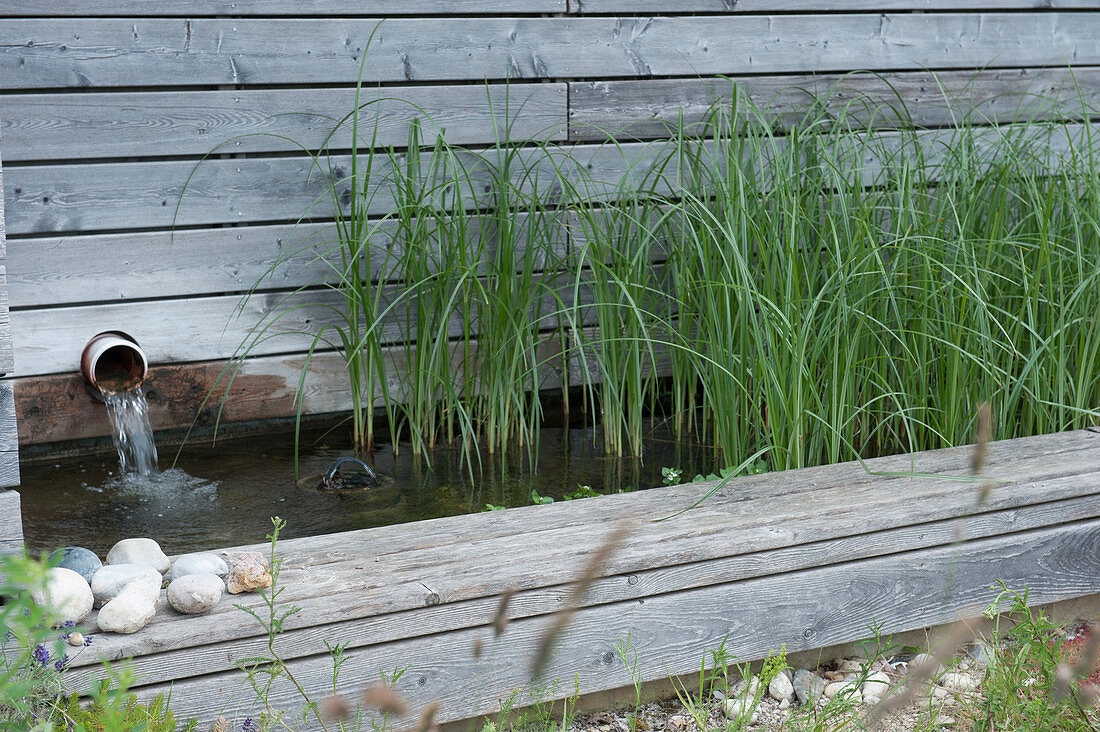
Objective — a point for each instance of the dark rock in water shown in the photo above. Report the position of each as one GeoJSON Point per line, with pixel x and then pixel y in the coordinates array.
{"type": "Point", "coordinates": [80, 560]}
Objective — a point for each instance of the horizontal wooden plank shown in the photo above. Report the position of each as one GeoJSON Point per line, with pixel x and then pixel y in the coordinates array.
{"type": "Point", "coordinates": [61, 53]}
{"type": "Point", "coordinates": [309, 640]}
{"type": "Point", "coordinates": [3, 228]}
{"type": "Point", "coordinates": [196, 8]}
{"type": "Point", "coordinates": [673, 7]}
{"type": "Point", "coordinates": [409, 569]}
{"type": "Point", "coordinates": [72, 198]}
{"type": "Point", "coordinates": [671, 632]}
{"type": "Point", "coordinates": [58, 270]}
{"type": "Point", "coordinates": [59, 408]}
{"type": "Point", "coordinates": [73, 126]}
{"type": "Point", "coordinates": [649, 108]}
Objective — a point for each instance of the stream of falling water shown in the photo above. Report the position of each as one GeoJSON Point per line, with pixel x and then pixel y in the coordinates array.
{"type": "Point", "coordinates": [131, 431]}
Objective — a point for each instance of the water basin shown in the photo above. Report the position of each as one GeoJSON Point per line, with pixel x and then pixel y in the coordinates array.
{"type": "Point", "coordinates": [223, 495]}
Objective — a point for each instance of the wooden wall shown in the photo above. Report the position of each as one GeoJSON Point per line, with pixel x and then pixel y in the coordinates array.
{"type": "Point", "coordinates": [107, 105]}
{"type": "Point", "coordinates": [9, 446]}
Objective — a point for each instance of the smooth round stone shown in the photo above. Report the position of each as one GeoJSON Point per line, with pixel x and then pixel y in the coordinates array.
{"type": "Point", "coordinates": [781, 687]}
{"type": "Point", "coordinates": [738, 709]}
{"type": "Point", "coordinates": [80, 560]}
{"type": "Point", "coordinates": [129, 611]}
{"type": "Point", "coordinates": [876, 685]}
{"type": "Point", "coordinates": [205, 563]}
{"type": "Point", "coordinates": [807, 686]}
{"type": "Point", "coordinates": [139, 551]}
{"type": "Point", "coordinates": [66, 594]}
{"type": "Point", "coordinates": [248, 573]}
{"type": "Point", "coordinates": [195, 593]}
{"type": "Point", "coordinates": [76, 639]}
{"type": "Point", "coordinates": [108, 582]}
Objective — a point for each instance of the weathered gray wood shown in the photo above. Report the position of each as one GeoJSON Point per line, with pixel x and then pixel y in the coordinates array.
{"type": "Point", "coordinates": [63, 198]}
{"type": "Point", "coordinates": [7, 359]}
{"type": "Point", "coordinates": [654, 107]}
{"type": "Point", "coordinates": [244, 641]}
{"type": "Point", "coordinates": [806, 610]}
{"type": "Point", "coordinates": [150, 265]}
{"type": "Point", "coordinates": [11, 519]}
{"type": "Point", "coordinates": [95, 52]}
{"type": "Point", "coordinates": [192, 8]}
{"type": "Point", "coordinates": [664, 7]}
{"type": "Point", "coordinates": [405, 570]}
{"type": "Point", "coordinates": [73, 126]}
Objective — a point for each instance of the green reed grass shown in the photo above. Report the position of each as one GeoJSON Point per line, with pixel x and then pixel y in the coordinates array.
{"type": "Point", "coordinates": [843, 286]}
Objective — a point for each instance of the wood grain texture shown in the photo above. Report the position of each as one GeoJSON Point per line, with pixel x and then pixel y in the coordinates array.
{"type": "Point", "coordinates": [95, 52]}
{"type": "Point", "coordinates": [11, 519]}
{"type": "Point", "coordinates": [57, 270]}
{"type": "Point", "coordinates": [59, 408]}
{"type": "Point", "coordinates": [741, 532]}
{"type": "Point", "coordinates": [99, 197]}
{"type": "Point", "coordinates": [664, 7]}
{"type": "Point", "coordinates": [805, 610]}
{"type": "Point", "coordinates": [649, 108]}
{"type": "Point", "coordinates": [118, 124]}
{"type": "Point", "coordinates": [193, 8]}
{"type": "Point", "coordinates": [306, 640]}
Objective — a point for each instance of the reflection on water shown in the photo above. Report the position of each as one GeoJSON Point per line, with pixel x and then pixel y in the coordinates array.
{"type": "Point", "coordinates": [230, 490]}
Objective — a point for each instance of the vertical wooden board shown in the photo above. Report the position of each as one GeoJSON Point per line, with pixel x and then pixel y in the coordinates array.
{"type": "Point", "coordinates": [11, 517]}
{"type": "Point", "coordinates": [9, 439]}
{"type": "Point", "coordinates": [198, 8]}
{"type": "Point", "coordinates": [7, 358]}
{"type": "Point", "coordinates": [136, 124]}
{"type": "Point", "coordinates": [60, 53]}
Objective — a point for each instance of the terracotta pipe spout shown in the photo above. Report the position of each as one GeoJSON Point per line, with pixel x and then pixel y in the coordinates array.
{"type": "Point", "coordinates": [113, 362]}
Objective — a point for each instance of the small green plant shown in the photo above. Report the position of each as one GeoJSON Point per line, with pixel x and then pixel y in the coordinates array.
{"type": "Point", "coordinates": [671, 476]}
{"type": "Point", "coordinates": [1025, 687]}
{"type": "Point", "coordinates": [540, 500]}
{"type": "Point", "coordinates": [33, 662]}
{"type": "Point", "coordinates": [628, 654]}
{"type": "Point", "coordinates": [583, 491]}
{"type": "Point", "coordinates": [493, 507]}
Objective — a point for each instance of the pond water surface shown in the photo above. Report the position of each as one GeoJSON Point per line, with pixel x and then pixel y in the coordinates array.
{"type": "Point", "coordinates": [224, 495]}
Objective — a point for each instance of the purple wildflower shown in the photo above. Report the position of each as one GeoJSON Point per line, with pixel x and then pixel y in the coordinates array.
{"type": "Point", "coordinates": [248, 726]}
{"type": "Point", "coordinates": [62, 663]}
{"type": "Point", "coordinates": [68, 624]}
{"type": "Point", "coordinates": [87, 641]}
{"type": "Point", "coordinates": [40, 654]}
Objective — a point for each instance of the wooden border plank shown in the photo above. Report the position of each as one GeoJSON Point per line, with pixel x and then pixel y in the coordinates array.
{"type": "Point", "coordinates": [137, 124]}
{"type": "Point", "coordinates": [357, 563]}
{"type": "Point", "coordinates": [62, 53]}
{"type": "Point", "coordinates": [651, 108]}
{"type": "Point", "coordinates": [160, 664]}
{"type": "Point", "coordinates": [806, 610]}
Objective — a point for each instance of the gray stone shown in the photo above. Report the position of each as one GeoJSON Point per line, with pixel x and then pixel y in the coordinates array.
{"type": "Point", "coordinates": [66, 594]}
{"type": "Point", "coordinates": [924, 664]}
{"type": "Point", "coordinates": [114, 578]}
{"type": "Point", "coordinates": [248, 573]}
{"type": "Point", "coordinates": [955, 681]}
{"type": "Point", "coordinates": [808, 686]}
{"type": "Point", "coordinates": [195, 593]}
{"type": "Point", "coordinates": [739, 709]}
{"type": "Point", "coordinates": [80, 560]}
{"type": "Point", "coordinates": [743, 688]}
{"type": "Point", "coordinates": [876, 685]}
{"type": "Point", "coordinates": [205, 563]}
{"type": "Point", "coordinates": [129, 611]}
{"type": "Point", "coordinates": [139, 551]}
{"type": "Point", "coordinates": [781, 687]}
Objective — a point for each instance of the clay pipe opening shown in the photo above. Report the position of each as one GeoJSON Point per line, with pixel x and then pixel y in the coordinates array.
{"type": "Point", "coordinates": [113, 362]}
